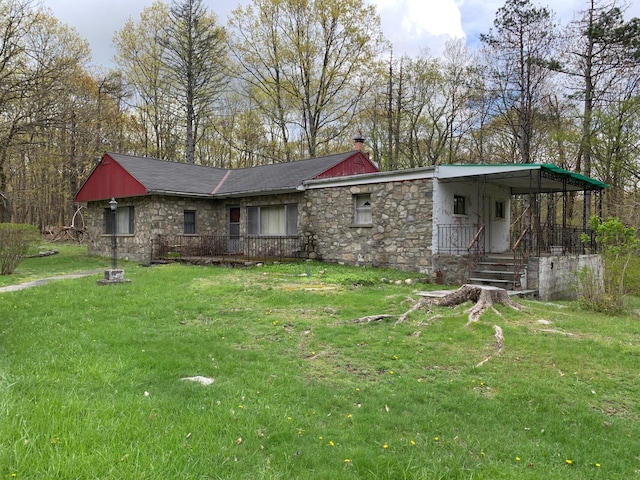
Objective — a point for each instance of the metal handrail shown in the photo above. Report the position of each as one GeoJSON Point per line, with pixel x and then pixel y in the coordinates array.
{"type": "Point", "coordinates": [520, 256]}
{"type": "Point", "coordinates": [520, 239]}
{"type": "Point", "coordinates": [478, 250]}
{"type": "Point", "coordinates": [476, 237]}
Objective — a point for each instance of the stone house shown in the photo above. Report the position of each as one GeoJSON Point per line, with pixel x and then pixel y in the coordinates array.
{"type": "Point", "coordinates": [442, 221]}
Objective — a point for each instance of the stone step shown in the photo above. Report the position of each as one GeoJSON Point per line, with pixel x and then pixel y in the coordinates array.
{"type": "Point", "coordinates": [491, 280]}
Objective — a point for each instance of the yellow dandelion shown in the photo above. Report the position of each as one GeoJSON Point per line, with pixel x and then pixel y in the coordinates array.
{"type": "Point", "coordinates": [347, 460]}
{"type": "Point", "coordinates": [350, 416]}
{"type": "Point", "coordinates": [518, 459]}
{"type": "Point", "coordinates": [412, 442]}
{"type": "Point", "coordinates": [385, 445]}
{"type": "Point", "coordinates": [331, 444]}
{"type": "Point", "coordinates": [597, 465]}
{"type": "Point", "coordinates": [437, 439]}
{"type": "Point", "coordinates": [320, 438]}
{"type": "Point", "coordinates": [569, 462]}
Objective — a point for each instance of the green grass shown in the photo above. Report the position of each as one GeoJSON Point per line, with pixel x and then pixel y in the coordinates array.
{"type": "Point", "coordinates": [90, 381]}
{"type": "Point", "coordinates": [70, 258]}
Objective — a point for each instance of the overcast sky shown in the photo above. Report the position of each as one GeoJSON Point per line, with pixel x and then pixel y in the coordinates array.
{"type": "Point", "coordinates": [411, 25]}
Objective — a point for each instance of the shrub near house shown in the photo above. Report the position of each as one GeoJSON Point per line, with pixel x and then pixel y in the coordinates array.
{"type": "Point", "coordinates": [15, 241]}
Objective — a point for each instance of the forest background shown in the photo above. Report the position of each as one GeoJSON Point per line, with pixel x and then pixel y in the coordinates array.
{"type": "Point", "coordinates": [285, 80]}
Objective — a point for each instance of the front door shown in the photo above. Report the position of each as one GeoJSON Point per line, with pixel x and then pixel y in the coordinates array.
{"type": "Point", "coordinates": [233, 245]}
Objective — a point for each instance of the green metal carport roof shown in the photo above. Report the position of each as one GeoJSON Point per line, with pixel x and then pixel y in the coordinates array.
{"type": "Point", "coordinates": [522, 178]}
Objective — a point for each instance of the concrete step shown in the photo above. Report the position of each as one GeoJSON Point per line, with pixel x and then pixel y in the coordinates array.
{"type": "Point", "coordinates": [497, 263]}
{"type": "Point", "coordinates": [493, 272]}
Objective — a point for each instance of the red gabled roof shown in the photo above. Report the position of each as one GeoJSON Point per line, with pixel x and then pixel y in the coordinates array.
{"type": "Point", "coordinates": [109, 179]}
{"type": "Point", "coordinates": [356, 164]}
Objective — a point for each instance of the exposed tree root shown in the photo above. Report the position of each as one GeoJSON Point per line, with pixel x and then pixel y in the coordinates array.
{"type": "Point", "coordinates": [484, 296]}
{"type": "Point", "coordinates": [499, 345]}
{"type": "Point", "coordinates": [371, 318]}
{"type": "Point", "coordinates": [416, 306]}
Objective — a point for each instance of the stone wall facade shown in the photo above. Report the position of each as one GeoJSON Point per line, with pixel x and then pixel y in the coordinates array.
{"type": "Point", "coordinates": [450, 269]}
{"type": "Point", "coordinates": [400, 233]}
{"type": "Point", "coordinates": [153, 215]}
{"type": "Point", "coordinates": [164, 215]}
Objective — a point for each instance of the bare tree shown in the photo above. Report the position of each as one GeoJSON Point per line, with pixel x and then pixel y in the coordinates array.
{"type": "Point", "coordinates": [602, 46]}
{"type": "Point", "coordinates": [140, 56]}
{"type": "Point", "coordinates": [306, 65]}
{"type": "Point", "coordinates": [520, 57]}
{"type": "Point", "coordinates": [195, 55]}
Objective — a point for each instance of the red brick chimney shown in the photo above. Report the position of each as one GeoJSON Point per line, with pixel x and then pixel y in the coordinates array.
{"type": "Point", "coordinates": [358, 143]}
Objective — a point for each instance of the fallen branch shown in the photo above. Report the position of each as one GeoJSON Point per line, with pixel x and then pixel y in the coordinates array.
{"type": "Point", "coordinates": [48, 253]}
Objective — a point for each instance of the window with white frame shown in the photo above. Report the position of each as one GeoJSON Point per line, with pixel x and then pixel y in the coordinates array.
{"type": "Point", "coordinates": [362, 209]}
{"type": "Point", "coordinates": [124, 221]}
{"type": "Point", "coordinates": [273, 220]}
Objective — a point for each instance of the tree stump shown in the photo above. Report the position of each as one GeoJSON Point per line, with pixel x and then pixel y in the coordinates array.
{"type": "Point", "coordinates": [484, 296]}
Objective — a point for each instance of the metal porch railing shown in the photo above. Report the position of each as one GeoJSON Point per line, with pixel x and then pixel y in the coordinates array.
{"type": "Point", "coordinates": [227, 246]}
{"type": "Point", "coordinates": [455, 239]}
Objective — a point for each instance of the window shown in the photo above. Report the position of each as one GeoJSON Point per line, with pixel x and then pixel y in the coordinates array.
{"type": "Point", "coordinates": [459, 205]}
{"type": "Point", "coordinates": [500, 210]}
{"type": "Point", "coordinates": [189, 222]}
{"type": "Point", "coordinates": [273, 220]}
{"type": "Point", "coordinates": [124, 221]}
{"type": "Point", "coordinates": [362, 209]}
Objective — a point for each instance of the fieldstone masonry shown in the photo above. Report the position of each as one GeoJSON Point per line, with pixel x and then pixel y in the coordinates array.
{"type": "Point", "coordinates": [399, 235]}
{"type": "Point", "coordinates": [153, 215]}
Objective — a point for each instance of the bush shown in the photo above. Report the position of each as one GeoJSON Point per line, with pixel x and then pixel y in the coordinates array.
{"type": "Point", "coordinates": [15, 241]}
{"type": "Point", "coordinates": [619, 244]}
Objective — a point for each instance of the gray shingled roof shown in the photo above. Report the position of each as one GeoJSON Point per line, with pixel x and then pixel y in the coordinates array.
{"type": "Point", "coordinates": [161, 176]}
{"type": "Point", "coordinates": [278, 176]}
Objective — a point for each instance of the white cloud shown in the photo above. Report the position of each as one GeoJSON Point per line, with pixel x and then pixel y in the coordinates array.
{"type": "Point", "coordinates": [435, 17]}
{"type": "Point", "coordinates": [419, 17]}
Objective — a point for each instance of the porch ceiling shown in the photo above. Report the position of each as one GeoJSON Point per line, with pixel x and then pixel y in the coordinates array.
{"type": "Point", "coordinates": [522, 178]}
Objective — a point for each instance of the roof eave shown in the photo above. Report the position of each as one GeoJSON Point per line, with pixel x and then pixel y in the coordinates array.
{"type": "Point", "coordinates": [257, 193]}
